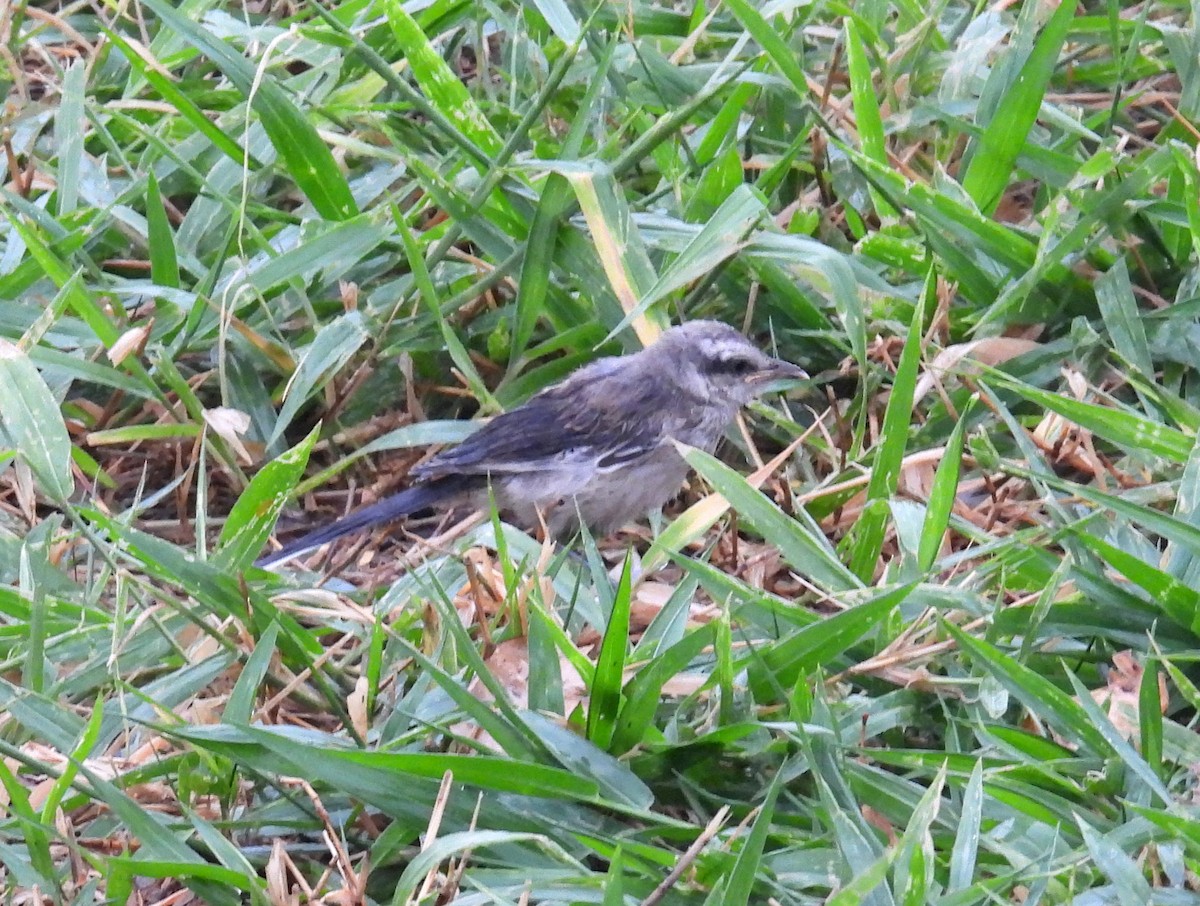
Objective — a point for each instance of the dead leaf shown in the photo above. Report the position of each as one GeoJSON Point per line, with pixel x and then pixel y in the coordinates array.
{"type": "Point", "coordinates": [230, 424]}
{"type": "Point", "coordinates": [1121, 695]}
{"type": "Point", "coordinates": [988, 351]}
{"type": "Point", "coordinates": [131, 342]}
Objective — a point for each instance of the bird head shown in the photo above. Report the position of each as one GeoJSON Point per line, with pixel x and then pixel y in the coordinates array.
{"type": "Point", "coordinates": [715, 362]}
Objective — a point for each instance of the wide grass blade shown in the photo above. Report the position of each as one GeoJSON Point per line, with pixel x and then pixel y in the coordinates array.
{"type": "Point", "coordinates": [1043, 699]}
{"type": "Point", "coordinates": [867, 539]}
{"type": "Point", "coordinates": [866, 107]}
{"type": "Point", "coordinates": [253, 516]}
{"type": "Point", "coordinates": [304, 153]}
{"type": "Point", "coordinates": [772, 40]}
{"type": "Point", "coordinates": [942, 496]}
{"type": "Point", "coordinates": [242, 210]}
{"type": "Point", "coordinates": [180, 100]}
{"type": "Point", "coordinates": [605, 689]}
{"type": "Point", "coordinates": [1019, 84]}
{"type": "Point", "coordinates": [443, 87]}
{"type": "Point", "coordinates": [741, 880]}
{"type": "Point", "coordinates": [797, 541]}
{"type": "Point", "coordinates": [32, 425]}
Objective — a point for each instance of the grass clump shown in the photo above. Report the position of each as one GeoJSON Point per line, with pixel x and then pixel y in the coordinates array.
{"type": "Point", "coordinates": [255, 258]}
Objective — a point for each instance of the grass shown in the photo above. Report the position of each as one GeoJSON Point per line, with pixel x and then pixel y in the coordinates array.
{"type": "Point", "coordinates": [256, 258]}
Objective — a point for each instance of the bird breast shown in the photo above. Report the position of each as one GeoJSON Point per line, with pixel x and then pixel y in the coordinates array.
{"type": "Point", "coordinates": [607, 498]}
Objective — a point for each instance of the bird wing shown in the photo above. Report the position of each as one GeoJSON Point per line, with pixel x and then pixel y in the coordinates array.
{"type": "Point", "coordinates": [589, 420]}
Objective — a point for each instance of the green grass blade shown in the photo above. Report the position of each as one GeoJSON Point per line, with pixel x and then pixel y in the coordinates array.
{"type": "Point", "coordinates": [893, 439]}
{"type": "Point", "coordinates": [771, 40]}
{"type": "Point", "coordinates": [1063, 714]}
{"type": "Point", "coordinates": [164, 263]}
{"type": "Point", "coordinates": [798, 542]}
{"type": "Point", "coordinates": [642, 692]}
{"type": "Point", "coordinates": [304, 153]}
{"type": "Point", "coordinates": [253, 516]}
{"type": "Point", "coordinates": [68, 136]}
{"type": "Point", "coordinates": [813, 646]}
{"type": "Point", "coordinates": [1111, 858]}
{"type": "Point", "coordinates": [608, 680]}
{"type": "Point", "coordinates": [866, 107]}
{"type": "Point", "coordinates": [995, 153]}
{"type": "Point", "coordinates": [1116, 425]}
{"type": "Point", "coordinates": [942, 496]}
{"type": "Point", "coordinates": [1122, 318]}
{"type": "Point", "coordinates": [965, 854]}
{"type": "Point", "coordinates": [444, 88]}
{"type": "Point", "coordinates": [328, 353]}
{"type": "Point", "coordinates": [187, 108]}
{"type": "Point", "coordinates": [32, 423]}
{"type": "Point", "coordinates": [741, 880]}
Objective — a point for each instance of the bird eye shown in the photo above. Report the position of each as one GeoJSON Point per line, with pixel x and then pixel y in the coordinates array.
{"type": "Point", "coordinates": [735, 365]}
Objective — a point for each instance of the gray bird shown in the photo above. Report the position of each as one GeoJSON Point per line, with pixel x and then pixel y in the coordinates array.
{"type": "Point", "coordinates": [597, 445]}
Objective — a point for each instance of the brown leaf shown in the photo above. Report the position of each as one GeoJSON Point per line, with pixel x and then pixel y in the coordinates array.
{"type": "Point", "coordinates": [988, 351]}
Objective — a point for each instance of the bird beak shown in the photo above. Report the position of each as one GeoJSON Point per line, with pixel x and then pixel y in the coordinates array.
{"type": "Point", "coordinates": [780, 370]}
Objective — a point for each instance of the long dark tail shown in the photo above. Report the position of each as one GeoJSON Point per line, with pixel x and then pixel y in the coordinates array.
{"type": "Point", "coordinates": [446, 492]}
